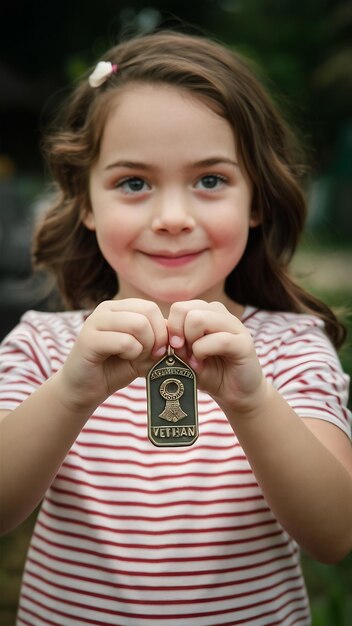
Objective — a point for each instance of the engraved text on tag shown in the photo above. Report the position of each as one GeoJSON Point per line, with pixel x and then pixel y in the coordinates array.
{"type": "Point", "coordinates": [172, 398]}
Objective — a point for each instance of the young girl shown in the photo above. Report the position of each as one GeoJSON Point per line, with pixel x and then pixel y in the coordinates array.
{"type": "Point", "coordinates": [177, 213]}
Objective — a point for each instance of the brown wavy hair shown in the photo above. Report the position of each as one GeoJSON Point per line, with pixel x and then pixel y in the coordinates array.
{"type": "Point", "coordinates": [267, 149]}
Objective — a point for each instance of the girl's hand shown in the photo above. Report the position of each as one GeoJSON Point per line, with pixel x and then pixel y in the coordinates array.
{"type": "Point", "coordinates": [221, 351]}
{"type": "Point", "coordinates": [118, 342]}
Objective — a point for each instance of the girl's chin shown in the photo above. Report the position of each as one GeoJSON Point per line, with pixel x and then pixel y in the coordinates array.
{"type": "Point", "coordinates": [166, 293]}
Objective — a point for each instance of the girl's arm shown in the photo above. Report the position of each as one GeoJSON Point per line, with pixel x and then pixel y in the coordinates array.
{"type": "Point", "coordinates": [35, 439]}
{"type": "Point", "coordinates": [303, 467]}
{"type": "Point", "coordinates": [119, 341]}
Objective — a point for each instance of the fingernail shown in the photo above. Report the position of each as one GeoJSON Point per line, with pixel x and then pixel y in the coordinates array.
{"type": "Point", "coordinates": [194, 364]}
{"type": "Point", "coordinates": [160, 351]}
{"type": "Point", "coordinates": [176, 342]}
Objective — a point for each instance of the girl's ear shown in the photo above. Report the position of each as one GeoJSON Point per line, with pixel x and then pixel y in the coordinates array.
{"type": "Point", "coordinates": [87, 218]}
{"type": "Point", "coordinates": [254, 219]}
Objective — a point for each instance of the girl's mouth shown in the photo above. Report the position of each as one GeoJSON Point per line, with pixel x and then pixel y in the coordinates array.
{"type": "Point", "coordinates": [175, 260]}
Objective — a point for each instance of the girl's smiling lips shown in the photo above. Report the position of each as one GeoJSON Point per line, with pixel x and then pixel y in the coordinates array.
{"type": "Point", "coordinates": [173, 259]}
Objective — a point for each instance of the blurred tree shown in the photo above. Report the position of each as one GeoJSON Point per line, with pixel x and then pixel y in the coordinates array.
{"type": "Point", "coordinates": [43, 46]}
{"type": "Point", "coordinates": [303, 46]}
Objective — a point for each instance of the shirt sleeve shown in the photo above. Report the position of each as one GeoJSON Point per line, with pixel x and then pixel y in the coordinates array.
{"type": "Point", "coordinates": [24, 362]}
{"type": "Point", "coordinates": [308, 374]}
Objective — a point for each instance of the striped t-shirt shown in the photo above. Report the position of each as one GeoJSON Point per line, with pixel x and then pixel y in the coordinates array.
{"type": "Point", "coordinates": [133, 535]}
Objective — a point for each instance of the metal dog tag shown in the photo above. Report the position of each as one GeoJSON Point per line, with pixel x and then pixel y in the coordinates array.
{"type": "Point", "coordinates": [172, 402]}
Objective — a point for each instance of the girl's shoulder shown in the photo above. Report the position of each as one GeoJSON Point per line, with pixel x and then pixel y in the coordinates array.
{"type": "Point", "coordinates": [61, 327]}
{"type": "Point", "coordinates": [53, 322]}
{"type": "Point", "coordinates": [34, 350]}
{"type": "Point", "coordinates": [281, 325]}
{"type": "Point", "coordinates": [41, 340]}
{"type": "Point", "coordinates": [279, 329]}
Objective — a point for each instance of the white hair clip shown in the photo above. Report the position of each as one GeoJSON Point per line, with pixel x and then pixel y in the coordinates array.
{"type": "Point", "coordinates": [103, 70]}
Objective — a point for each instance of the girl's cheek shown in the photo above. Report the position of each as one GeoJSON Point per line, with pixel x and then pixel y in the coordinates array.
{"type": "Point", "coordinates": [228, 230]}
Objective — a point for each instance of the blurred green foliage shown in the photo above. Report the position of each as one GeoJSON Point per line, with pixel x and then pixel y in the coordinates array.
{"type": "Point", "coordinates": [303, 46]}
{"type": "Point", "coordinates": [305, 49]}
{"type": "Point", "coordinates": [329, 589]}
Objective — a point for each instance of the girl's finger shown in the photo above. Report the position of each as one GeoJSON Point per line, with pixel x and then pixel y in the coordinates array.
{"type": "Point", "coordinates": [119, 344]}
{"type": "Point", "coordinates": [131, 323]}
{"type": "Point", "coordinates": [138, 317]}
{"type": "Point", "coordinates": [206, 322]}
{"type": "Point", "coordinates": [178, 314]}
{"type": "Point", "coordinates": [221, 344]}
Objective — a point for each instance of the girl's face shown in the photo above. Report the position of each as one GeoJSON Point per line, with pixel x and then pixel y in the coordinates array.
{"type": "Point", "coordinates": [171, 206]}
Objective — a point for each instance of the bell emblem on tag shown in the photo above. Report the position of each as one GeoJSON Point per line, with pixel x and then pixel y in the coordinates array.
{"type": "Point", "coordinates": [172, 389]}
{"type": "Point", "coordinates": [172, 402]}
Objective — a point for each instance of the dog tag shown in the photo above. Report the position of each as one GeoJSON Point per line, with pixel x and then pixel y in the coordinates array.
{"type": "Point", "coordinates": [172, 402]}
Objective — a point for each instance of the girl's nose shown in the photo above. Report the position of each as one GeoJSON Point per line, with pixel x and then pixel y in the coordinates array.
{"type": "Point", "coordinates": [172, 215]}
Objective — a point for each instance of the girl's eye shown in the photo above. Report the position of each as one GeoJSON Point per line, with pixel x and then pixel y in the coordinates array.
{"type": "Point", "coordinates": [132, 185]}
{"type": "Point", "coordinates": [211, 181]}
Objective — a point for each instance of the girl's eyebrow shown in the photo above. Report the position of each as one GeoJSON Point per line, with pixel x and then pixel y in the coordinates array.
{"type": "Point", "coordinates": [216, 160]}
{"type": "Point", "coordinates": [128, 164]}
